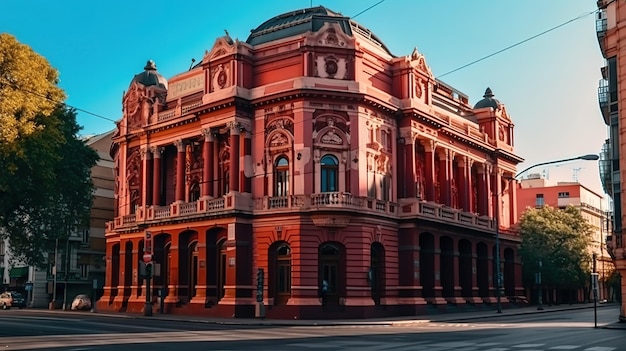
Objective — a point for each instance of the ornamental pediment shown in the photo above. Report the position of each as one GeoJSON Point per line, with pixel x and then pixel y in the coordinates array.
{"type": "Point", "coordinates": [331, 35]}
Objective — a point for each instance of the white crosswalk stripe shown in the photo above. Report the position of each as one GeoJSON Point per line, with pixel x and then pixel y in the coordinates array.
{"type": "Point", "coordinates": [435, 346]}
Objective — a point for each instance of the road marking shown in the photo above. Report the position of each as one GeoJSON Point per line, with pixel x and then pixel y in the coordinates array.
{"type": "Point", "coordinates": [600, 348]}
{"type": "Point", "coordinates": [523, 346]}
{"type": "Point", "coordinates": [564, 347]}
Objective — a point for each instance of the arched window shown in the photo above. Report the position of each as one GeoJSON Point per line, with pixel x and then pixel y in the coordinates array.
{"type": "Point", "coordinates": [283, 274]}
{"type": "Point", "coordinates": [194, 192]}
{"type": "Point", "coordinates": [330, 174]}
{"type": "Point", "coordinates": [281, 177]}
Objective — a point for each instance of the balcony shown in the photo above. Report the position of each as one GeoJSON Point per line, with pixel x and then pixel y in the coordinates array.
{"type": "Point", "coordinates": [603, 99]}
{"type": "Point", "coordinates": [337, 202]}
{"type": "Point", "coordinates": [230, 203]}
{"type": "Point", "coordinates": [601, 27]}
{"type": "Point", "coordinates": [321, 201]}
{"type": "Point", "coordinates": [410, 208]}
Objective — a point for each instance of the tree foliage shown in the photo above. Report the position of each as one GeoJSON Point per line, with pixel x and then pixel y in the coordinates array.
{"type": "Point", "coordinates": [45, 184]}
{"type": "Point", "coordinates": [28, 87]}
{"type": "Point", "coordinates": [559, 240]}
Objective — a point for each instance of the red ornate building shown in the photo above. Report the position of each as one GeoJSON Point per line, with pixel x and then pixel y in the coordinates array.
{"type": "Point", "coordinates": [311, 152]}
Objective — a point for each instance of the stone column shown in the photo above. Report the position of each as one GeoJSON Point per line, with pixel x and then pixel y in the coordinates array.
{"type": "Point", "coordinates": [208, 150]}
{"type": "Point", "coordinates": [156, 175]}
{"type": "Point", "coordinates": [409, 167]}
{"type": "Point", "coordinates": [173, 265]}
{"type": "Point", "coordinates": [180, 171]}
{"type": "Point", "coordinates": [201, 288]}
{"type": "Point", "coordinates": [247, 154]}
{"type": "Point", "coordinates": [146, 184]}
{"type": "Point", "coordinates": [444, 177]}
{"type": "Point", "coordinates": [108, 289]}
{"type": "Point", "coordinates": [429, 170]}
{"type": "Point", "coordinates": [233, 182]}
{"type": "Point", "coordinates": [461, 183]}
{"type": "Point", "coordinates": [121, 284]}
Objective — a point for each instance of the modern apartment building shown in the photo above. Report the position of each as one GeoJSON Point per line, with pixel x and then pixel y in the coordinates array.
{"type": "Point", "coordinates": [536, 191]}
{"type": "Point", "coordinates": [611, 17]}
{"type": "Point", "coordinates": [78, 266]}
{"type": "Point", "coordinates": [309, 169]}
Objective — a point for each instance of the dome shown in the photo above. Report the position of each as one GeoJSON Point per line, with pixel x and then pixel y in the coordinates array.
{"type": "Point", "coordinates": [150, 76]}
{"type": "Point", "coordinates": [488, 101]}
{"type": "Point", "coordinates": [304, 20]}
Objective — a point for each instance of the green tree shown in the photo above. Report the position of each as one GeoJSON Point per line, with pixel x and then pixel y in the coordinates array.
{"type": "Point", "coordinates": [45, 184]}
{"type": "Point", "coordinates": [28, 87]}
{"type": "Point", "coordinates": [559, 240]}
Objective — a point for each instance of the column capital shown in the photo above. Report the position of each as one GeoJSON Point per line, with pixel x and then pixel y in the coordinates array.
{"type": "Point", "coordinates": [144, 153]}
{"type": "Point", "coordinates": [180, 145]}
{"type": "Point", "coordinates": [156, 151]}
{"type": "Point", "coordinates": [208, 134]}
{"type": "Point", "coordinates": [234, 127]}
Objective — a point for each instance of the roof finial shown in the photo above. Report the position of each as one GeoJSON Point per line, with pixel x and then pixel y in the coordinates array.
{"type": "Point", "coordinates": [488, 93]}
{"type": "Point", "coordinates": [150, 66]}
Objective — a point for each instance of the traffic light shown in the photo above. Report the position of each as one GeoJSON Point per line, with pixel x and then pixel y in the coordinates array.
{"type": "Point", "coordinates": [149, 270]}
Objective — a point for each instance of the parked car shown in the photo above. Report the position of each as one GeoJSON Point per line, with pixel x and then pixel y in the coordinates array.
{"type": "Point", "coordinates": [10, 299]}
{"type": "Point", "coordinates": [81, 302]}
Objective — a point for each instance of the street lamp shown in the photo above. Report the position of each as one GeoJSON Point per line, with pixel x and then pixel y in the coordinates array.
{"type": "Point", "coordinates": [588, 157]}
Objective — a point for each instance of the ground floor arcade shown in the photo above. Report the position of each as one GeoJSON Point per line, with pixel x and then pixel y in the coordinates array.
{"type": "Point", "coordinates": [310, 267]}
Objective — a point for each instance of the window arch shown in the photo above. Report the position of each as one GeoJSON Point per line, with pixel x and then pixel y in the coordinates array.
{"type": "Point", "coordinates": [281, 275]}
{"type": "Point", "coordinates": [329, 174]}
{"type": "Point", "coordinates": [194, 191]}
{"type": "Point", "coordinates": [281, 177]}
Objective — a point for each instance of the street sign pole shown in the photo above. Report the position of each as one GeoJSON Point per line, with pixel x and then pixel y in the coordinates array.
{"type": "Point", "coordinates": [594, 286]}
{"type": "Point", "coordinates": [147, 310]}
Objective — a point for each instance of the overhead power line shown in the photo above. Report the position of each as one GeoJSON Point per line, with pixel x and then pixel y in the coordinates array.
{"type": "Point", "coordinates": [369, 8]}
{"type": "Point", "coordinates": [518, 43]}
{"type": "Point", "coordinates": [12, 85]}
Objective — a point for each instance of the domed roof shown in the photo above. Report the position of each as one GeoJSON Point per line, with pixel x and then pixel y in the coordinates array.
{"type": "Point", "coordinates": [150, 76]}
{"type": "Point", "coordinates": [304, 20]}
{"type": "Point", "coordinates": [488, 101]}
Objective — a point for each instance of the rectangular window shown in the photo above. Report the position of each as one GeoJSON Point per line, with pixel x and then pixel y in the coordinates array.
{"type": "Point", "coordinates": [564, 194]}
{"type": "Point", "coordinates": [539, 200]}
{"type": "Point", "coordinates": [84, 270]}
{"type": "Point", "coordinates": [85, 238]}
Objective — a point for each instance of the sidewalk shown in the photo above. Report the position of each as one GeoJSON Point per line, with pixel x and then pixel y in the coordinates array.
{"type": "Point", "coordinates": [391, 321]}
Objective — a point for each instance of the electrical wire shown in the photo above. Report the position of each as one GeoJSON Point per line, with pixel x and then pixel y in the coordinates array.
{"type": "Point", "coordinates": [519, 43]}
{"type": "Point", "coordinates": [12, 85]}
{"type": "Point", "coordinates": [369, 8]}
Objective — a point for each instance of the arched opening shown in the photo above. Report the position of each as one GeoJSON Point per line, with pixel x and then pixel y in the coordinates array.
{"type": "Point", "coordinates": [509, 272]}
{"type": "Point", "coordinates": [281, 177]}
{"type": "Point", "coordinates": [447, 266]}
{"type": "Point", "coordinates": [193, 269]}
{"type": "Point", "coordinates": [465, 267]}
{"type": "Point", "coordinates": [279, 284]}
{"type": "Point", "coordinates": [376, 274]}
{"type": "Point", "coordinates": [331, 275]}
{"type": "Point", "coordinates": [482, 269]}
{"type": "Point", "coordinates": [329, 174]}
{"type": "Point", "coordinates": [427, 264]}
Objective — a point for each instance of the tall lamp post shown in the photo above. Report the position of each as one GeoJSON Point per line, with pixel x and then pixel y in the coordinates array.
{"type": "Point", "coordinates": [588, 157]}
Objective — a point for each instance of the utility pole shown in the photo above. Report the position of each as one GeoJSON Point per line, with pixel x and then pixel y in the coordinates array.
{"type": "Point", "coordinates": [67, 270]}
{"type": "Point", "coordinates": [54, 275]}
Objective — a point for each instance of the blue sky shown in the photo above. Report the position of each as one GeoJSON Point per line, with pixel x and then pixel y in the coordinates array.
{"type": "Point", "coordinates": [548, 84]}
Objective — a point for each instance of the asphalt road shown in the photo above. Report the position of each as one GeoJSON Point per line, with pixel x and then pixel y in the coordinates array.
{"type": "Point", "coordinates": [566, 330]}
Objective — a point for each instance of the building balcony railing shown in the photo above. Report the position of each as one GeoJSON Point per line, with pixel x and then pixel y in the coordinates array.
{"type": "Point", "coordinates": [180, 210]}
{"type": "Point", "coordinates": [603, 99]}
{"type": "Point", "coordinates": [442, 213]}
{"type": "Point", "coordinates": [335, 201]}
